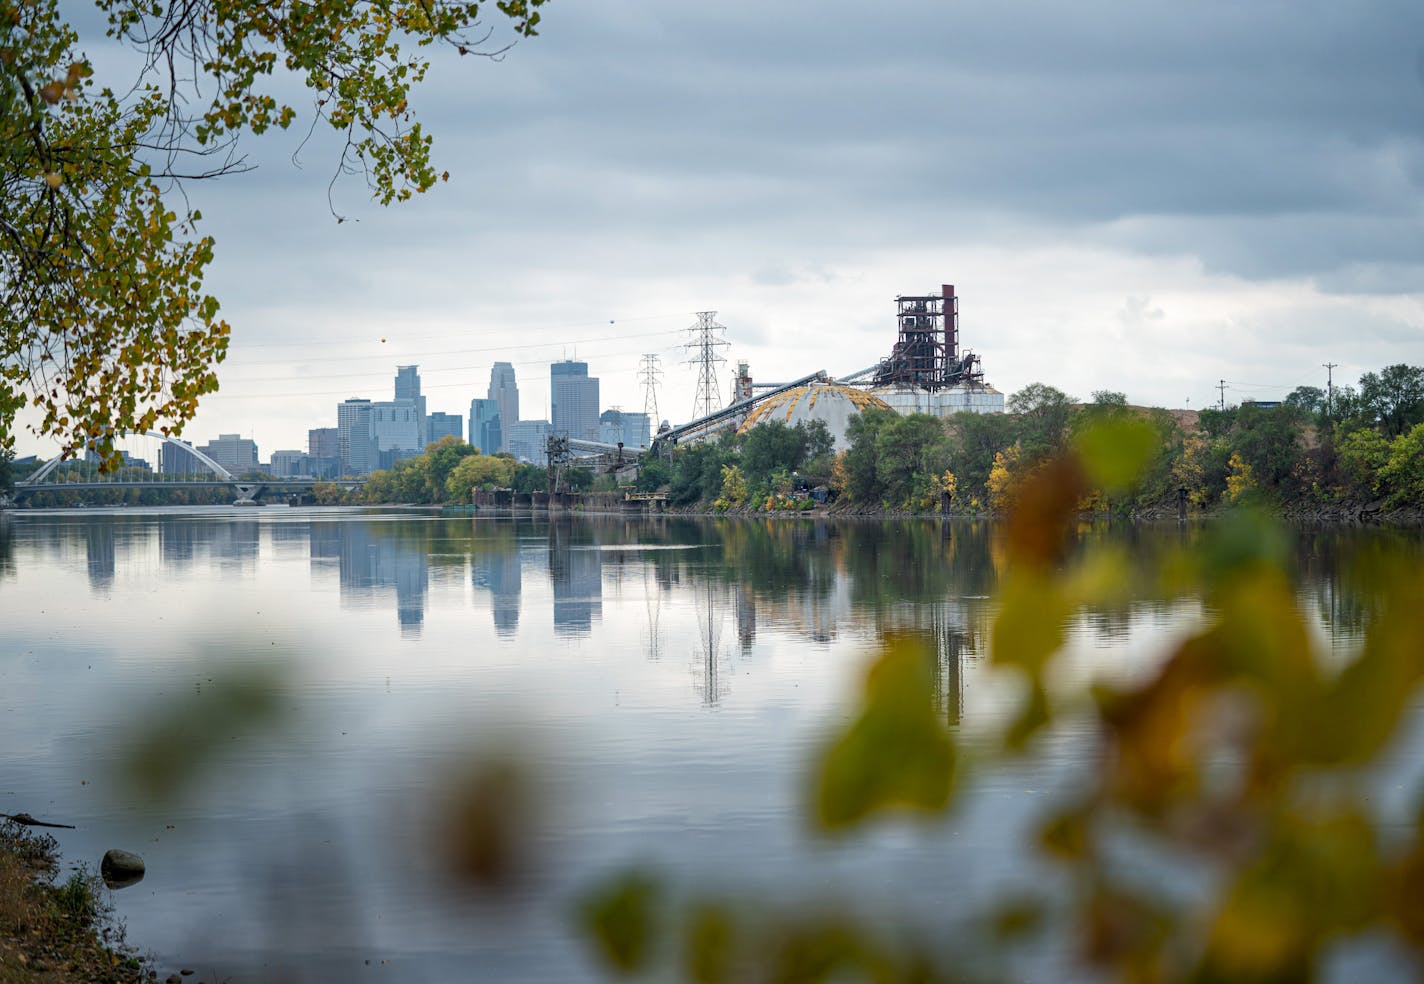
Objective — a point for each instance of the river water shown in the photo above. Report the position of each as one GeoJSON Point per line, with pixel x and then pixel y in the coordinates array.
{"type": "Point", "coordinates": [656, 688]}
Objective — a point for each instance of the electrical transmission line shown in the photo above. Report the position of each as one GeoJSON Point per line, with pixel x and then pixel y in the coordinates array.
{"type": "Point", "coordinates": [649, 372]}
{"type": "Point", "coordinates": [706, 340]}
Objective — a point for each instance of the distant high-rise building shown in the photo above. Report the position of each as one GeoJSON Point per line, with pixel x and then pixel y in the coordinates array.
{"type": "Point", "coordinates": [527, 440]}
{"type": "Point", "coordinates": [505, 392]}
{"type": "Point", "coordinates": [286, 464]}
{"type": "Point", "coordinates": [408, 391]}
{"type": "Point", "coordinates": [395, 431]}
{"type": "Point", "coordinates": [438, 425]}
{"type": "Point", "coordinates": [355, 447]}
{"type": "Point", "coordinates": [323, 452]}
{"type": "Point", "coordinates": [573, 400]}
{"type": "Point", "coordinates": [176, 460]}
{"type": "Point", "coordinates": [486, 425]}
{"type": "Point", "coordinates": [634, 430]}
{"type": "Point", "coordinates": [234, 452]}
{"type": "Point", "coordinates": [322, 442]}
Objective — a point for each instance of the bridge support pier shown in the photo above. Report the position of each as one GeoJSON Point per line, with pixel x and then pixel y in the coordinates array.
{"type": "Point", "coordinates": [248, 493]}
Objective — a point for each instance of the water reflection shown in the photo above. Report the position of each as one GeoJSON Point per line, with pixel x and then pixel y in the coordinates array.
{"type": "Point", "coordinates": [495, 567]}
{"type": "Point", "coordinates": [7, 563]}
{"type": "Point", "coordinates": [99, 554]}
{"type": "Point", "coordinates": [576, 572]}
{"type": "Point", "coordinates": [810, 577]}
{"type": "Point", "coordinates": [709, 664]}
{"type": "Point", "coordinates": [679, 668]}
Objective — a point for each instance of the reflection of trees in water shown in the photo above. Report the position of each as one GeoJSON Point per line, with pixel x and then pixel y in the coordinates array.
{"type": "Point", "coordinates": [1343, 575]}
{"type": "Point", "coordinates": [7, 555]}
{"type": "Point", "coordinates": [953, 645]}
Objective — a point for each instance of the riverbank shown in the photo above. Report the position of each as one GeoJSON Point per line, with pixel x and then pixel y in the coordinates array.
{"type": "Point", "coordinates": [53, 930]}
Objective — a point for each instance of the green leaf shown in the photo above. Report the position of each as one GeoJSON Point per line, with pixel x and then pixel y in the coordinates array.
{"type": "Point", "coordinates": [621, 916]}
{"type": "Point", "coordinates": [897, 753]}
{"type": "Point", "coordinates": [1115, 452]}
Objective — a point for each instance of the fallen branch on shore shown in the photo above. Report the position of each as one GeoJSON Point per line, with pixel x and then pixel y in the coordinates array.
{"type": "Point", "coordinates": [25, 820]}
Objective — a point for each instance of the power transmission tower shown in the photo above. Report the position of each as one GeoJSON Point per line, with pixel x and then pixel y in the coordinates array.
{"type": "Point", "coordinates": [649, 372]}
{"type": "Point", "coordinates": [1222, 386]}
{"type": "Point", "coordinates": [705, 342]}
{"type": "Point", "coordinates": [1329, 368]}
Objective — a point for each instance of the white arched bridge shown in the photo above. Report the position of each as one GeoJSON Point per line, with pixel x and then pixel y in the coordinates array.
{"type": "Point", "coordinates": [152, 460]}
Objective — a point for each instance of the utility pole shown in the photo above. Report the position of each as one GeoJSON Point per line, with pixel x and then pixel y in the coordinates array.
{"type": "Point", "coordinates": [649, 372]}
{"type": "Point", "coordinates": [1221, 385]}
{"type": "Point", "coordinates": [1329, 368]}
{"type": "Point", "coordinates": [706, 340]}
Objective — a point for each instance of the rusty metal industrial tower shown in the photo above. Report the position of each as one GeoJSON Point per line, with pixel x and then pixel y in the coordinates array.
{"type": "Point", "coordinates": [926, 353]}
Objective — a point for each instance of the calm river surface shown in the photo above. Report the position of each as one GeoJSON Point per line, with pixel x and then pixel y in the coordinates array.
{"type": "Point", "coordinates": [661, 685]}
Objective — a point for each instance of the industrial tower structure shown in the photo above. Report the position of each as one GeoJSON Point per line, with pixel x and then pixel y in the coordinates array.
{"type": "Point", "coordinates": [649, 372]}
{"type": "Point", "coordinates": [706, 340]}
{"type": "Point", "coordinates": [926, 354]}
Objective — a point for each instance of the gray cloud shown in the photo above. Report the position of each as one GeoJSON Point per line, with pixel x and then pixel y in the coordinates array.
{"type": "Point", "coordinates": [797, 165]}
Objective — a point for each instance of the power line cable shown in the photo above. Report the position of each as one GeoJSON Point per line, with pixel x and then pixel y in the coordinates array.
{"type": "Point", "coordinates": [504, 329]}
{"type": "Point", "coordinates": [397, 354]}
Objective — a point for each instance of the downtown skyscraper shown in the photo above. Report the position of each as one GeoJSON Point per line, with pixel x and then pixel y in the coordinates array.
{"type": "Point", "coordinates": [504, 391]}
{"type": "Point", "coordinates": [573, 400]}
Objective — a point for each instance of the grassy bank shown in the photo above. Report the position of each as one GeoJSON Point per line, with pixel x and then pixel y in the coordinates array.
{"type": "Point", "coordinates": [56, 930]}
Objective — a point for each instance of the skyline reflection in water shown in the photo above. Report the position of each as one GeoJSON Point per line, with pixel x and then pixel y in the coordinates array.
{"type": "Point", "coordinates": [667, 679]}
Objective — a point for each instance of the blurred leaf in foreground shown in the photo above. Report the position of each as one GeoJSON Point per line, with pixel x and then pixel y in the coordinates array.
{"type": "Point", "coordinates": [184, 736]}
{"type": "Point", "coordinates": [622, 918]}
{"type": "Point", "coordinates": [897, 753]}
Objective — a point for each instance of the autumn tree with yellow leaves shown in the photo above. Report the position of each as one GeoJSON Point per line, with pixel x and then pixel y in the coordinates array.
{"type": "Point", "coordinates": [105, 326]}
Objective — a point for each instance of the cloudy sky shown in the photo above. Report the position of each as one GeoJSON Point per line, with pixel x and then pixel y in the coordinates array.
{"type": "Point", "coordinates": [1147, 197]}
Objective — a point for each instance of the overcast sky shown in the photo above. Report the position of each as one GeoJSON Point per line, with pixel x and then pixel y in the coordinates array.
{"type": "Point", "coordinates": [1147, 197]}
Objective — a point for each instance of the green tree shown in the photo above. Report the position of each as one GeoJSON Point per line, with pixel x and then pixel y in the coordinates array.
{"type": "Point", "coordinates": [479, 471]}
{"type": "Point", "coordinates": [697, 473]}
{"type": "Point", "coordinates": [857, 462]}
{"type": "Point", "coordinates": [104, 323]}
{"type": "Point", "coordinates": [442, 457]}
{"type": "Point", "coordinates": [1044, 416]}
{"type": "Point", "coordinates": [653, 474]}
{"type": "Point", "coordinates": [975, 439]}
{"type": "Point", "coordinates": [1311, 399]}
{"type": "Point", "coordinates": [1217, 423]}
{"type": "Point", "coordinates": [910, 453]}
{"type": "Point", "coordinates": [529, 478]}
{"type": "Point", "coordinates": [1393, 399]}
{"type": "Point", "coordinates": [768, 446]}
{"type": "Point", "coordinates": [1362, 454]}
{"type": "Point", "coordinates": [7, 474]}
{"type": "Point", "coordinates": [1402, 474]}
{"type": "Point", "coordinates": [1269, 439]}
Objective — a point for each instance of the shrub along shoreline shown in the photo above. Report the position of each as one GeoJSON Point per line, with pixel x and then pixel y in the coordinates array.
{"type": "Point", "coordinates": [52, 930]}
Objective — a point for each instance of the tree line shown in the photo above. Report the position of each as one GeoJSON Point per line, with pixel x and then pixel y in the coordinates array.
{"type": "Point", "coordinates": [1357, 445]}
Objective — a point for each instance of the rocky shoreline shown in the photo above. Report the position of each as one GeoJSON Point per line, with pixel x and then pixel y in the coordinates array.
{"type": "Point", "coordinates": [62, 931]}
